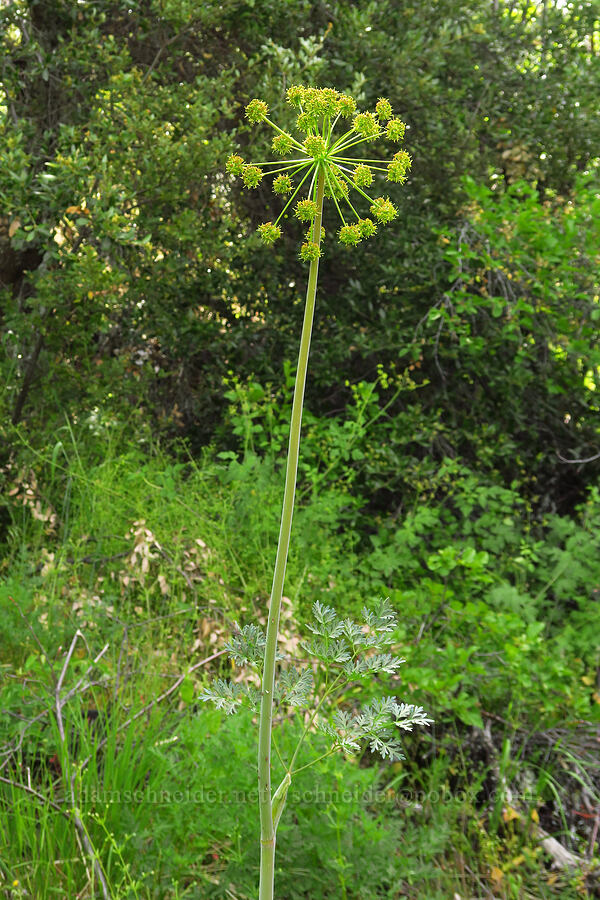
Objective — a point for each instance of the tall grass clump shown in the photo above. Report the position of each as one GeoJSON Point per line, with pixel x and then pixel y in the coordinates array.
{"type": "Point", "coordinates": [310, 167]}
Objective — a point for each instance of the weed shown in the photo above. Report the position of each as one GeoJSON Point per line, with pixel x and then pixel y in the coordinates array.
{"type": "Point", "coordinates": [320, 158]}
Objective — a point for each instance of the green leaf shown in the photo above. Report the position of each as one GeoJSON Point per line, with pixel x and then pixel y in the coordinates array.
{"type": "Point", "coordinates": [186, 691]}
{"type": "Point", "coordinates": [279, 798]}
{"type": "Point", "coordinates": [247, 645]}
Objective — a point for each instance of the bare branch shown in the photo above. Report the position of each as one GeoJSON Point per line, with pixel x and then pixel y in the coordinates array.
{"type": "Point", "coordinates": [589, 459]}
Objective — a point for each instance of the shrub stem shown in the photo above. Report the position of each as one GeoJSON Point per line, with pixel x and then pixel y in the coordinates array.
{"type": "Point", "coordinates": [267, 828]}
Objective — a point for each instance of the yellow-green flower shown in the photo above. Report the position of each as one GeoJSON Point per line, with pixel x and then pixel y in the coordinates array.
{"type": "Point", "coordinates": [256, 111]}
{"type": "Point", "coordinates": [305, 122]}
{"type": "Point", "coordinates": [283, 184]}
{"type": "Point", "coordinates": [367, 228]}
{"type": "Point", "coordinates": [367, 126]}
{"type": "Point", "coordinates": [350, 234]}
{"type": "Point", "coordinates": [384, 210]}
{"type": "Point", "coordinates": [395, 129]}
{"type": "Point", "coordinates": [306, 210]}
{"type": "Point", "coordinates": [347, 106]}
{"type": "Point", "coordinates": [319, 156]}
{"type": "Point", "coordinates": [363, 176]}
{"type": "Point", "coordinates": [383, 109]}
{"type": "Point", "coordinates": [252, 176]}
{"type": "Point", "coordinates": [295, 94]}
{"type": "Point", "coordinates": [315, 145]}
{"type": "Point", "coordinates": [399, 166]}
{"type": "Point", "coordinates": [269, 232]}
{"type": "Point", "coordinates": [235, 164]}
{"type": "Point", "coordinates": [310, 251]}
{"type": "Point", "coordinates": [282, 143]}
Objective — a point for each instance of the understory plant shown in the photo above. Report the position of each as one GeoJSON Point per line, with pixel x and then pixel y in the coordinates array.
{"type": "Point", "coordinates": [310, 167]}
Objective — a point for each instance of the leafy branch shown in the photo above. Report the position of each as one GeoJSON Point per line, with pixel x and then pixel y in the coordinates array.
{"type": "Point", "coordinates": [341, 652]}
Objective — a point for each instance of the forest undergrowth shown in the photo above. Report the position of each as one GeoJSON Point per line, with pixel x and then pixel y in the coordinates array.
{"type": "Point", "coordinates": [125, 569]}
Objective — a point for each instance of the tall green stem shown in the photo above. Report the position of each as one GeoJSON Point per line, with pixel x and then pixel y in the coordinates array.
{"type": "Point", "coordinates": [267, 827]}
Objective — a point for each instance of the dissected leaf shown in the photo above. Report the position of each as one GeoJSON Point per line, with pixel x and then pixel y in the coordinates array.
{"type": "Point", "coordinates": [247, 645]}
{"type": "Point", "coordinates": [293, 687]}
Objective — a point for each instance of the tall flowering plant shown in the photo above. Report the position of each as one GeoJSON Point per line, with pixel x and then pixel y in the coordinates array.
{"type": "Point", "coordinates": [309, 168]}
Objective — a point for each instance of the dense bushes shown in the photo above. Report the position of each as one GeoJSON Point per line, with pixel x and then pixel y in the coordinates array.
{"type": "Point", "coordinates": [157, 557]}
{"type": "Point", "coordinates": [130, 276]}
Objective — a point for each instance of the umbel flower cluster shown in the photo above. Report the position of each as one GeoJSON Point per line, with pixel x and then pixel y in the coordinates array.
{"type": "Point", "coordinates": [317, 152]}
